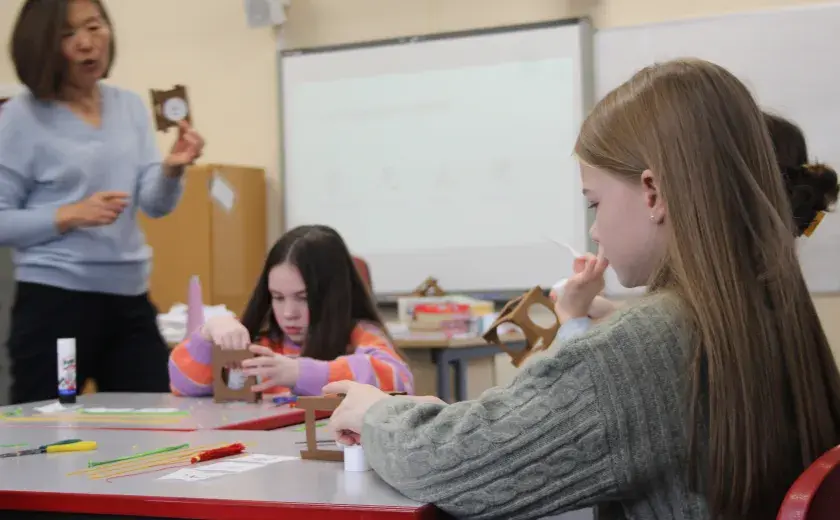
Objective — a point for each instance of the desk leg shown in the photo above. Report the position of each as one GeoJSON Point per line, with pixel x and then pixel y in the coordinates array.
{"type": "Point", "coordinates": [444, 384]}
{"type": "Point", "coordinates": [460, 366]}
{"type": "Point", "coordinates": [458, 359]}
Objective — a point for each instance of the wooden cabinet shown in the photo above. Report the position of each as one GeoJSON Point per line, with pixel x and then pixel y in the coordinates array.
{"type": "Point", "coordinates": [217, 232]}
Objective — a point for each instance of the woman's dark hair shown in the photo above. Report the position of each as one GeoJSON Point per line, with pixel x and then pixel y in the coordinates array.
{"type": "Point", "coordinates": [812, 188]}
{"type": "Point", "coordinates": [36, 45]}
{"type": "Point", "coordinates": [337, 297]}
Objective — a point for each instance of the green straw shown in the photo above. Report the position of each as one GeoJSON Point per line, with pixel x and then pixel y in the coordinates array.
{"type": "Point", "coordinates": [14, 413]}
{"type": "Point", "coordinates": [92, 464]}
{"type": "Point", "coordinates": [13, 445]}
{"type": "Point", "coordinates": [149, 414]}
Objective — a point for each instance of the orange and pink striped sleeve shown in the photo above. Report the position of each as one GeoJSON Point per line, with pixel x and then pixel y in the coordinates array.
{"type": "Point", "coordinates": [372, 360]}
{"type": "Point", "coordinates": [190, 367]}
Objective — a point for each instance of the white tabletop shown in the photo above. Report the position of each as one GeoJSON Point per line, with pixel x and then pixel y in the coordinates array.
{"type": "Point", "coordinates": [41, 482]}
{"type": "Point", "coordinates": [202, 414]}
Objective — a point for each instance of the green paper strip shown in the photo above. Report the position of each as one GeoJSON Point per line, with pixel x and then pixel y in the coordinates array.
{"type": "Point", "coordinates": [92, 464]}
{"type": "Point", "coordinates": [318, 424]}
{"type": "Point", "coordinates": [148, 414]}
{"type": "Point", "coordinates": [14, 413]}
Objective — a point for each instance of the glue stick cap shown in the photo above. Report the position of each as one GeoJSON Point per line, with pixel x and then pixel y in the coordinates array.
{"type": "Point", "coordinates": [67, 346]}
{"type": "Point", "coordinates": [354, 458]}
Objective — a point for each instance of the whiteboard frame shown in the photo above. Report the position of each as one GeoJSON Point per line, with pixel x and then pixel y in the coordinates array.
{"type": "Point", "coordinates": [587, 66]}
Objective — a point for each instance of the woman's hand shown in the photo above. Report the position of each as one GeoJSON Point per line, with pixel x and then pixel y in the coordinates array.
{"type": "Point", "coordinates": [271, 369]}
{"type": "Point", "coordinates": [227, 332]}
{"type": "Point", "coordinates": [346, 421]}
{"type": "Point", "coordinates": [581, 288]}
{"type": "Point", "coordinates": [100, 209]}
{"type": "Point", "coordinates": [187, 148]}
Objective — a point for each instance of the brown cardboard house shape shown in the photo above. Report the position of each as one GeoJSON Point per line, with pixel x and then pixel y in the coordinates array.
{"type": "Point", "coordinates": [516, 312]}
{"type": "Point", "coordinates": [223, 359]}
{"type": "Point", "coordinates": [170, 107]}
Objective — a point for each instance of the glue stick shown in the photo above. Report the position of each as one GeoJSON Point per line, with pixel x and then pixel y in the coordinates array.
{"type": "Point", "coordinates": [67, 370]}
{"type": "Point", "coordinates": [354, 458]}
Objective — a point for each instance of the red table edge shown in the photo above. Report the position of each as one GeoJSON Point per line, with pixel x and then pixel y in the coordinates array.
{"type": "Point", "coordinates": [273, 422]}
{"type": "Point", "coordinates": [201, 508]}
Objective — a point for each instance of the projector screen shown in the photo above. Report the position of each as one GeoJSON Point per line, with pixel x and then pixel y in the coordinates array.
{"type": "Point", "coordinates": [447, 156]}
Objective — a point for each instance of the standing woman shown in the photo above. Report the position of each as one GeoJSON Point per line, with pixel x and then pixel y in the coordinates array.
{"type": "Point", "coordinates": [77, 160]}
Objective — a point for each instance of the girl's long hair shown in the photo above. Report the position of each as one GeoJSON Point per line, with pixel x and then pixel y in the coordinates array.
{"type": "Point", "coordinates": [337, 297]}
{"type": "Point", "coordinates": [764, 394]}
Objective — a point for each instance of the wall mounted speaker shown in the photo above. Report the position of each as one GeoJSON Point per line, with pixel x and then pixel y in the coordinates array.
{"type": "Point", "coordinates": [265, 13]}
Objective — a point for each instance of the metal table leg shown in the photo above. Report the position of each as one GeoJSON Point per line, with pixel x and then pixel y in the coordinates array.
{"type": "Point", "coordinates": [447, 359]}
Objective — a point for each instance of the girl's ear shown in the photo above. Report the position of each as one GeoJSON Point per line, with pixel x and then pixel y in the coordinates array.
{"type": "Point", "coordinates": [653, 197]}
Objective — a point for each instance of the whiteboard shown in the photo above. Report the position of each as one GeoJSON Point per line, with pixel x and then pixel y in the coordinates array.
{"type": "Point", "coordinates": [787, 57]}
{"type": "Point", "coordinates": [447, 156]}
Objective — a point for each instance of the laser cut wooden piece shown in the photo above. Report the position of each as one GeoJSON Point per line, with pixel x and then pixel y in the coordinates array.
{"type": "Point", "coordinates": [224, 359]}
{"type": "Point", "coordinates": [323, 403]}
{"type": "Point", "coordinates": [429, 287]}
{"type": "Point", "coordinates": [516, 312]}
{"type": "Point", "coordinates": [170, 107]}
{"type": "Point", "coordinates": [310, 405]}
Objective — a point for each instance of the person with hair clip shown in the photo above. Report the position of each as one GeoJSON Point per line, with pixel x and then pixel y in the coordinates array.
{"type": "Point", "coordinates": [78, 161]}
{"type": "Point", "coordinates": [811, 187]}
{"type": "Point", "coordinates": [705, 399]}
{"type": "Point", "coordinates": [311, 320]}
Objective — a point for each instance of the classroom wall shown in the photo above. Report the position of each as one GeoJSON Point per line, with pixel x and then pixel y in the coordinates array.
{"type": "Point", "coordinates": [231, 69]}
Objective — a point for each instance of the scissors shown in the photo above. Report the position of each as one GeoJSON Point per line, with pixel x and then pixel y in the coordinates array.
{"type": "Point", "coordinates": [56, 447]}
{"type": "Point", "coordinates": [285, 399]}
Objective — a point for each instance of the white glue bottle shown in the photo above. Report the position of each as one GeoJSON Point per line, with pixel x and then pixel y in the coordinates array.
{"type": "Point", "coordinates": [67, 370]}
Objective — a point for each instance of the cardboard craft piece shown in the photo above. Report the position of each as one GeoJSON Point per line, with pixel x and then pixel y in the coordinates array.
{"type": "Point", "coordinates": [310, 405]}
{"type": "Point", "coordinates": [429, 287]}
{"type": "Point", "coordinates": [222, 359]}
{"type": "Point", "coordinates": [516, 312]}
{"type": "Point", "coordinates": [322, 403]}
{"type": "Point", "coordinates": [170, 107]}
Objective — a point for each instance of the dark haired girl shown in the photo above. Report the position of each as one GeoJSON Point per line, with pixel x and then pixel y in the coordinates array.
{"type": "Point", "coordinates": [312, 320]}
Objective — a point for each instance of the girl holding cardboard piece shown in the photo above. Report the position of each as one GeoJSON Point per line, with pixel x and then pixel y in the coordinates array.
{"type": "Point", "coordinates": [312, 320]}
{"type": "Point", "coordinates": [705, 399]}
{"type": "Point", "coordinates": [811, 187]}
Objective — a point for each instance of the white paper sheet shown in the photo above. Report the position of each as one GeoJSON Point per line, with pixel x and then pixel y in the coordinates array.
{"type": "Point", "coordinates": [189, 475]}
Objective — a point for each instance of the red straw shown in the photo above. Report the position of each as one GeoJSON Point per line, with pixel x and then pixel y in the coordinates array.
{"type": "Point", "coordinates": [218, 453]}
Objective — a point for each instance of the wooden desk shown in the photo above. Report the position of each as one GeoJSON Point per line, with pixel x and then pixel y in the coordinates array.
{"type": "Point", "coordinates": [293, 488]}
{"type": "Point", "coordinates": [449, 361]}
{"type": "Point", "coordinates": [203, 414]}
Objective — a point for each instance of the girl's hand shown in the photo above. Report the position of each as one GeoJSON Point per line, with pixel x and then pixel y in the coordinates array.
{"type": "Point", "coordinates": [346, 420]}
{"type": "Point", "coordinates": [601, 308]}
{"type": "Point", "coordinates": [187, 148]}
{"type": "Point", "coordinates": [227, 332]}
{"type": "Point", "coordinates": [581, 288]}
{"type": "Point", "coordinates": [271, 369]}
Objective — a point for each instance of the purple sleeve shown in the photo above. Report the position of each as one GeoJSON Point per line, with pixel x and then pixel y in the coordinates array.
{"type": "Point", "coordinates": [312, 376]}
{"type": "Point", "coordinates": [315, 374]}
{"type": "Point", "coordinates": [200, 349]}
